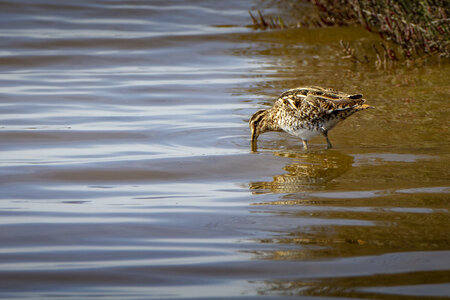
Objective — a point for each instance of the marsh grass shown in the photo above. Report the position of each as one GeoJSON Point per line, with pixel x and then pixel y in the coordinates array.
{"type": "Point", "coordinates": [411, 31]}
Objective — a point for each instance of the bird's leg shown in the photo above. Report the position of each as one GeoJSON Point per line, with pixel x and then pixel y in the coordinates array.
{"type": "Point", "coordinates": [305, 144]}
{"type": "Point", "coordinates": [325, 134]}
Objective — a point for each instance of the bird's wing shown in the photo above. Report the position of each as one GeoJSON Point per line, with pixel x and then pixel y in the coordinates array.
{"type": "Point", "coordinates": [312, 102]}
{"type": "Point", "coordinates": [294, 98]}
{"type": "Point", "coordinates": [327, 104]}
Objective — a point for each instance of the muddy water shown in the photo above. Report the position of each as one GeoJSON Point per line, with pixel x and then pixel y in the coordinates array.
{"type": "Point", "coordinates": [126, 171]}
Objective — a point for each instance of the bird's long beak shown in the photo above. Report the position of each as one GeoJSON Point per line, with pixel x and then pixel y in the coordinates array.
{"type": "Point", "coordinates": [254, 143]}
{"type": "Point", "coordinates": [254, 146]}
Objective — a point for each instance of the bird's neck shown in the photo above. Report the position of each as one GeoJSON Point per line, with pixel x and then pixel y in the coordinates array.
{"type": "Point", "coordinates": [271, 121]}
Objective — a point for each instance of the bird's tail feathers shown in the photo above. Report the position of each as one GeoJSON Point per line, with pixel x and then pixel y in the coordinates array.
{"type": "Point", "coordinates": [364, 106]}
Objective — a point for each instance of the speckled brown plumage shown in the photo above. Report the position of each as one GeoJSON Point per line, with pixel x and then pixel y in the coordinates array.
{"type": "Point", "coordinates": [306, 112]}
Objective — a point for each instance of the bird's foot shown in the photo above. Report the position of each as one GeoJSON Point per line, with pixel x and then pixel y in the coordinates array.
{"type": "Point", "coordinates": [305, 145]}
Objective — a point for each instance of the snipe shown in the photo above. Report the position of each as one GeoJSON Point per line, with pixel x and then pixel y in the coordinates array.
{"type": "Point", "coordinates": [306, 112]}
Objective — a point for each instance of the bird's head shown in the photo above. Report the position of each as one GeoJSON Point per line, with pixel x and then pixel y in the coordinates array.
{"type": "Point", "coordinates": [258, 125]}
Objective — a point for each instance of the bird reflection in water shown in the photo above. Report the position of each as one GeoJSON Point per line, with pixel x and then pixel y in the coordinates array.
{"type": "Point", "coordinates": [306, 172]}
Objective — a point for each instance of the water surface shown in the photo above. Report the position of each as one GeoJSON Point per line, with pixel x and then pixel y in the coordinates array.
{"type": "Point", "coordinates": [126, 170]}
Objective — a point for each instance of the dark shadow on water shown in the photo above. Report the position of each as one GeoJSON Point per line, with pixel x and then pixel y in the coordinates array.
{"type": "Point", "coordinates": [414, 285]}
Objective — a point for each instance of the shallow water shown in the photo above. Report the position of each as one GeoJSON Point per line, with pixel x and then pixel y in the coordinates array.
{"type": "Point", "coordinates": [126, 170]}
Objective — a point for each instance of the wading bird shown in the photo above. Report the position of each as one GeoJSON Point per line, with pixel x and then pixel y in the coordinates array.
{"type": "Point", "coordinates": [306, 112]}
